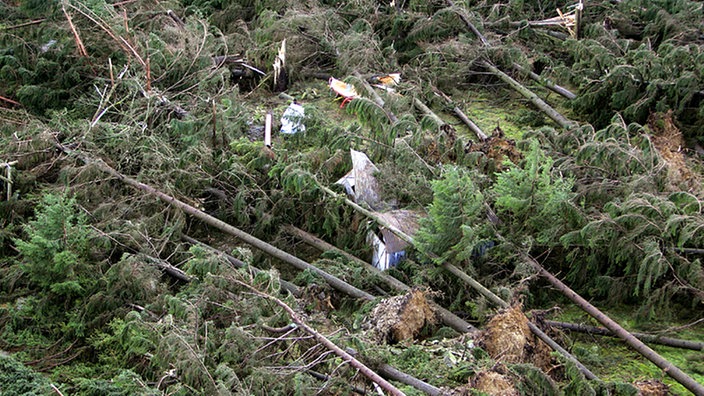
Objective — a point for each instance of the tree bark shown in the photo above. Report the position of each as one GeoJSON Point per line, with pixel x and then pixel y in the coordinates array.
{"type": "Point", "coordinates": [273, 251]}
{"type": "Point", "coordinates": [445, 315]}
{"type": "Point", "coordinates": [544, 81]}
{"type": "Point", "coordinates": [366, 371]}
{"type": "Point", "coordinates": [650, 338]}
{"type": "Point", "coordinates": [528, 94]}
{"type": "Point", "coordinates": [396, 375]}
{"type": "Point", "coordinates": [669, 368]}
{"type": "Point", "coordinates": [467, 279]}
{"type": "Point", "coordinates": [288, 286]}
{"type": "Point", "coordinates": [463, 117]}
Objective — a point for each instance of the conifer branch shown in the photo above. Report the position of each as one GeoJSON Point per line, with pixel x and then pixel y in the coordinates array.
{"type": "Point", "coordinates": [470, 281]}
{"type": "Point", "coordinates": [366, 371]}
{"type": "Point", "coordinates": [667, 366]}
{"type": "Point", "coordinates": [528, 94]}
{"type": "Point", "coordinates": [74, 31]}
{"type": "Point", "coordinates": [21, 25]}
{"type": "Point", "coordinates": [650, 338]}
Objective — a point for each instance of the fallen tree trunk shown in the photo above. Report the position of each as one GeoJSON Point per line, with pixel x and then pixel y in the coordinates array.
{"type": "Point", "coordinates": [445, 315]}
{"type": "Point", "coordinates": [396, 375]}
{"type": "Point", "coordinates": [251, 240]}
{"type": "Point", "coordinates": [366, 371]}
{"type": "Point", "coordinates": [535, 329]}
{"type": "Point", "coordinates": [528, 94]}
{"type": "Point", "coordinates": [653, 339]}
{"type": "Point", "coordinates": [273, 251]}
{"type": "Point", "coordinates": [469, 280]}
{"type": "Point", "coordinates": [320, 244]}
{"type": "Point", "coordinates": [669, 368]}
{"type": "Point", "coordinates": [288, 286]}
{"type": "Point", "coordinates": [168, 268]}
{"type": "Point", "coordinates": [385, 370]}
{"type": "Point", "coordinates": [430, 114]}
{"type": "Point", "coordinates": [544, 81]}
{"type": "Point", "coordinates": [463, 117]}
{"type": "Point", "coordinates": [470, 25]}
{"type": "Point", "coordinates": [554, 87]}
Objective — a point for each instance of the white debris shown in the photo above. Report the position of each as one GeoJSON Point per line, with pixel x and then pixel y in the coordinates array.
{"type": "Point", "coordinates": [292, 120]}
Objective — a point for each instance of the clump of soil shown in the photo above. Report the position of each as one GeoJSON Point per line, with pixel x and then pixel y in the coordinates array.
{"type": "Point", "coordinates": [497, 148]}
{"type": "Point", "coordinates": [652, 388]}
{"type": "Point", "coordinates": [668, 140]}
{"type": "Point", "coordinates": [508, 339]}
{"type": "Point", "coordinates": [318, 298]}
{"type": "Point", "coordinates": [494, 384]}
{"type": "Point", "coordinates": [401, 318]}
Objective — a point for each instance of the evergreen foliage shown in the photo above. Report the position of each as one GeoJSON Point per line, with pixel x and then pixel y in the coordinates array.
{"type": "Point", "coordinates": [535, 198]}
{"type": "Point", "coordinates": [56, 255]}
{"type": "Point", "coordinates": [17, 379]}
{"type": "Point", "coordinates": [83, 294]}
{"type": "Point", "coordinates": [646, 59]}
{"type": "Point", "coordinates": [458, 204]}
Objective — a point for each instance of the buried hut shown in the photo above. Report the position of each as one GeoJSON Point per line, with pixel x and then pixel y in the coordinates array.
{"type": "Point", "coordinates": [361, 186]}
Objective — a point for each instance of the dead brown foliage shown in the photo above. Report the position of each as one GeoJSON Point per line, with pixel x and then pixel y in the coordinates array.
{"type": "Point", "coordinates": [497, 148]}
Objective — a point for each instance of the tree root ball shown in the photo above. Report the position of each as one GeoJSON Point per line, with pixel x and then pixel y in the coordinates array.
{"type": "Point", "coordinates": [401, 318]}
{"type": "Point", "coordinates": [508, 339]}
{"type": "Point", "coordinates": [652, 388]}
{"type": "Point", "coordinates": [494, 384]}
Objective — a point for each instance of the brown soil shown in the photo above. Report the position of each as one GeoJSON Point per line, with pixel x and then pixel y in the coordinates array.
{"type": "Point", "coordinates": [494, 384]}
{"type": "Point", "coordinates": [508, 339]}
{"type": "Point", "coordinates": [668, 140]}
{"type": "Point", "coordinates": [652, 388]}
{"type": "Point", "coordinates": [401, 318]}
{"type": "Point", "coordinates": [497, 148]}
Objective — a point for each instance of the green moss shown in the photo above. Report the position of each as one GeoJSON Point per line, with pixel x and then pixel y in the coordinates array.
{"type": "Point", "coordinates": [613, 361]}
{"type": "Point", "coordinates": [489, 114]}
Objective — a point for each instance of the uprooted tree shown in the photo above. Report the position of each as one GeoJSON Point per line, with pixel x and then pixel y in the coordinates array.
{"type": "Point", "coordinates": [99, 291]}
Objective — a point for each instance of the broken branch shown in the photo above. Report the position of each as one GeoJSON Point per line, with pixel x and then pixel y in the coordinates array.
{"type": "Point", "coordinates": [528, 94]}
{"type": "Point", "coordinates": [445, 315]}
{"type": "Point", "coordinates": [653, 339]}
{"type": "Point", "coordinates": [366, 371]}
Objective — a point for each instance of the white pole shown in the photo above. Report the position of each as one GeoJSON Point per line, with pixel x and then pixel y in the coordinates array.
{"type": "Point", "coordinates": [267, 130]}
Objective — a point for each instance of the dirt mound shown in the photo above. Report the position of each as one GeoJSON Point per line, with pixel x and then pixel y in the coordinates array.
{"type": "Point", "coordinates": [508, 339]}
{"type": "Point", "coordinates": [652, 388]}
{"type": "Point", "coordinates": [668, 140]}
{"type": "Point", "coordinates": [401, 318]}
{"type": "Point", "coordinates": [494, 384]}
